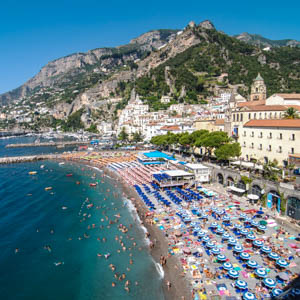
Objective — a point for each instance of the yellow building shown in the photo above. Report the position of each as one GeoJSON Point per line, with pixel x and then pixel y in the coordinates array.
{"type": "Point", "coordinates": [210, 125]}
{"type": "Point", "coordinates": [266, 140]}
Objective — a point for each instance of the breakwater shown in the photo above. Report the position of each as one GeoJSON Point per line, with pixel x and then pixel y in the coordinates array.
{"type": "Point", "coordinates": [51, 144]}
{"type": "Point", "coordinates": [20, 159]}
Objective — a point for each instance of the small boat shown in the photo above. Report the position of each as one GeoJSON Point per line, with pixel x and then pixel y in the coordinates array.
{"type": "Point", "coordinates": [77, 182]}
{"type": "Point", "coordinates": [64, 207]}
{"type": "Point", "coordinates": [90, 205]}
{"type": "Point", "coordinates": [42, 166]}
{"type": "Point", "coordinates": [69, 175]}
{"type": "Point", "coordinates": [32, 172]}
{"type": "Point", "coordinates": [61, 163]}
{"type": "Point", "coordinates": [48, 188]}
{"type": "Point", "coordinates": [93, 184]}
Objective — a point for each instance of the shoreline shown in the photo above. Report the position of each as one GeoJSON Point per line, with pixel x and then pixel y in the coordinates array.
{"type": "Point", "coordinates": [173, 270]}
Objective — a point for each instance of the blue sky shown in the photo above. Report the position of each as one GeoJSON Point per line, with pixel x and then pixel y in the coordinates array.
{"type": "Point", "coordinates": [35, 32]}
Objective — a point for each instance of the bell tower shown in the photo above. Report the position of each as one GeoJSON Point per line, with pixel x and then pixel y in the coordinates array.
{"type": "Point", "coordinates": [258, 89]}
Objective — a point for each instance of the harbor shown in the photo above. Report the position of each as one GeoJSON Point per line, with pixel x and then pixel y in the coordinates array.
{"type": "Point", "coordinates": [48, 144]}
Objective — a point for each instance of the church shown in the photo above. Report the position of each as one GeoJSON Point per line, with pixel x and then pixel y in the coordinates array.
{"type": "Point", "coordinates": [258, 89]}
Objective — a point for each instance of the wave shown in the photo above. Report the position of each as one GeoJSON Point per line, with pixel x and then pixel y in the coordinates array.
{"type": "Point", "coordinates": [159, 270]}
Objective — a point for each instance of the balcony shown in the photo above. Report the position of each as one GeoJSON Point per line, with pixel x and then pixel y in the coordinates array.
{"type": "Point", "coordinates": [292, 139]}
{"type": "Point", "coordinates": [251, 147]}
{"type": "Point", "coordinates": [259, 148]}
{"type": "Point", "coordinates": [260, 136]}
{"type": "Point", "coordinates": [279, 138]}
{"type": "Point", "coordinates": [269, 137]}
{"type": "Point", "coordinates": [252, 135]}
{"type": "Point", "coordinates": [279, 151]}
{"type": "Point", "coordinates": [268, 149]}
{"type": "Point", "coordinates": [244, 134]}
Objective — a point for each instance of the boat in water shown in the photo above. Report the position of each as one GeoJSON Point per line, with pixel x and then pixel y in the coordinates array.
{"type": "Point", "coordinates": [61, 163]}
{"type": "Point", "coordinates": [93, 184]}
{"type": "Point", "coordinates": [69, 175]}
{"type": "Point", "coordinates": [32, 172]}
{"type": "Point", "coordinates": [48, 188]}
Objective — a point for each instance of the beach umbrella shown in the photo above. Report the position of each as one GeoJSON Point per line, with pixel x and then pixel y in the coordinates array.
{"type": "Point", "coordinates": [276, 292]}
{"type": "Point", "coordinates": [205, 239]}
{"type": "Point", "coordinates": [243, 216]}
{"type": "Point", "coordinates": [226, 236]}
{"type": "Point", "coordinates": [269, 283]}
{"type": "Point", "coordinates": [227, 266]}
{"type": "Point", "coordinates": [245, 256]}
{"type": "Point", "coordinates": [282, 263]}
{"type": "Point", "coordinates": [214, 225]}
{"type": "Point", "coordinates": [186, 250]}
{"type": "Point", "coordinates": [254, 223]}
{"type": "Point", "coordinates": [250, 236]}
{"type": "Point", "coordinates": [258, 243]}
{"type": "Point", "coordinates": [220, 230]}
{"type": "Point", "coordinates": [210, 244]}
{"type": "Point", "coordinates": [238, 226]}
{"type": "Point", "coordinates": [244, 231]}
{"type": "Point", "coordinates": [221, 257]}
{"type": "Point", "coordinates": [261, 227]}
{"type": "Point", "coordinates": [232, 241]}
{"type": "Point", "coordinates": [204, 216]}
{"type": "Point", "coordinates": [215, 251]}
{"type": "Point", "coordinates": [247, 220]}
{"type": "Point", "coordinates": [201, 233]}
{"type": "Point", "coordinates": [252, 264]}
{"type": "Point", "coordinates": [226, 218]}
{"type": "Point", "coordinates": [249, 296]}
{"type": "Point", "coordinates": [241, 284]}
{"type": "Point", "coordinates": [266, 249]}
{"type": "Point", "coordinates": [238, 248]}
{"type": "Point", "coordinates": [261, 272]}
{"type": "Point", "coordinates": [284, 276]}
{"type": "Point", "coordinates": [273, 255]}
{"type": "Point", "coordinates": [233, 273]}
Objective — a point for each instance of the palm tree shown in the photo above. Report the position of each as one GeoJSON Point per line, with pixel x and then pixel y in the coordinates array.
{"type": "Point", "coordinates": [291, 113]}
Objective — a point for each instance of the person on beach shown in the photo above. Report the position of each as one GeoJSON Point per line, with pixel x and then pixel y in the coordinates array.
{"type": "Point", "coordinates": [168, 285]}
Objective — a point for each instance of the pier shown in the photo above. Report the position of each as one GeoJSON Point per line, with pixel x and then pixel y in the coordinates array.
{"type": "Point", "coordinates": [29, 158]}
{"type": "Point", "coordinates": [50, 144]}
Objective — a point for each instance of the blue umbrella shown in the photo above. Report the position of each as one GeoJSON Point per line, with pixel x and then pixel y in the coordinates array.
{"type": "Point", "coordinates": [221, 257]}
{"type": "Point", "coordinates": [201, 233]}
{"type": "Point", "coordinates": [282, 263]}
{"type": "Point", "coordinates": [244, 231]}
{"type": "Point", "coordinates": [261, 227]}
{"type": "Point", "coordinates": [226, 236]}
{"type": "Point", "coordinates": [205, 239]}
{"type": "Point", "coordinates": [273, 255]}
{"type": "Point", "coordinates": [243, 216]}
{"type": "Point", "coordinates": [204, 216]}
{"type": "Point", "coordinates": [226, 218]}
{"type": "Point", "coordinates": [233, 273]}
{"type": "Point", "coordinates": [252, 264]}
{"type": "Point", "coordinates": [269, 283]}
{"type": "Point", "coordinates": [214, 225]}
{"type": "Point", "coordinates": [261, 272]}
{"type": "Point", "coordinates": [238, 226]}
{"type": "Point", "coordinates": [241, 284]}
{"type": "Point", "coordinates": [232, 241]}
{"type": "Point", "coordinates": [215, 251]}
{"type": "Point", "coordinates": [210, 244]}
{"type": "Point", "coordinates": [258, 243]}
{"type": "Point", "coordinates": [249, 296]}
{"type": "Point", "coordinates": [276, 292]}
{"type": "Point", "coordinates": [254, 223]}
{"type": "Point", "coordinates": [245, 256]}
{"type": "Point", "coordinates": [266, 249]}
{"type": "Point", "coordinates": [247, 220]}
{"type": "Point", "coordinates": [250, 236]}
{"type": "Point", "coordinates": [227, 266]}
{"type": "Point", "coordinates": [238, 248]}
{"type": "Point", "coordinates": [220, 230]}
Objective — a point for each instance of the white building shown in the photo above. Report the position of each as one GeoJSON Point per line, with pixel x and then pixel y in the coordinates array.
{"type": "Point", "coordinates": [201, 172]}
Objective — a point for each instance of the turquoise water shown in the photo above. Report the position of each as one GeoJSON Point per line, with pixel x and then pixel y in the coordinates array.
{"type": "Point", "coordinates": [33, 221]}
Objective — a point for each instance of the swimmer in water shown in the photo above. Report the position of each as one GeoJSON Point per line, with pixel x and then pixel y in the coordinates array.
{"type": "Point", "coordinates": [113, 284]}
{"type": "Point", "coordinates": [17, 250]}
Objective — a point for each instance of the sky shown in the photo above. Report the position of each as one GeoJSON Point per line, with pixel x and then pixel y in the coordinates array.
{"type": "Point", "coordinates": [32, 33]}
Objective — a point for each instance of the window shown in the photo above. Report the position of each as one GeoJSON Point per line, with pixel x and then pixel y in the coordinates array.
{"type": "Point", "coordinates": [279, 149]}
{"type": "Point", "coordinates": [292, 137]}
{"type": "Point", "coordinates": [254, 115]}
{"type": "Point", "coordinates": [275, 116]}
{"type": "Point", "coordinates": [241, 117]}
{"type": "Point", "coordinates": [252, 145]}
{"type": "Point", "coordinates": [280, 136]}
{"type": "Point", "coordinates": [233, 117]}
{"type": "Point", "coordinates": [270, 148]}
{"type": "Point", "coordinates": [244, 144]}
{"type": "Point", "coordinates": [270, 116]}
{"type": "Point", "coordinates": [260, 147]}
{"type": "Point", "coordinates": [261, 135]}
{"type": "Point", "coordinates": [265, 115]}
{"type": "Point", "coordinates": [252, 133]}
{"type": "Point", "coordinates": [244, 133]}
{"type": "Point", "coordinates": [237, 117]}
{"type": "Point", "coordinates": [292, 150]}
{"type": "Point", "coordinates": [270, 135]}
{"type": "Point", "coordinates": [256, 90]}
{"type": "Point", "coordinates": [249, 116]}
{"type": "Point", "coordinates": [260, 115]}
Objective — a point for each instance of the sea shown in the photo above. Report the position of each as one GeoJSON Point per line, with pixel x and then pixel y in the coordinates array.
{"type": "Point", "coordinates": [60, 242]}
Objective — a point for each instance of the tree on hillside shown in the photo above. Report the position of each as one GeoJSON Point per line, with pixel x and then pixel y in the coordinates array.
{"type": "Point", "coordinates": [137, 137]}
{"type": "Point", "coordinates": [291, 113]}
{"type": "Point", "coordinates": [215, 140]}
{"type": "Point", "coordinates": [123, 136]}
{"type": "Point", "coordinates": [226, 151]}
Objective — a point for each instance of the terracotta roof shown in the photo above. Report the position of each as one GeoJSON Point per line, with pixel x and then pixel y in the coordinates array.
{"type": "Point", "coordinates": [170, 128]}
{"type": "Point", "coordinates": [295, 155]}
{"type": "Point", "coordinates": [289, 96]}
{"type": "Point", "coordinates": [289, 123]}
{"type": "Point", "coordinates": [219, 122]}
{"type": "Point", "coordinates": [272, 107]}
{"type": "Point", "coordinates": [251, 103]}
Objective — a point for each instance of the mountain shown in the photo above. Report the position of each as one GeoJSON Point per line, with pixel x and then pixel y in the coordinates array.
{"type": "Point", "coordinates": [190, 65]}
{"type": "Point", "coordinates": [258, 40]}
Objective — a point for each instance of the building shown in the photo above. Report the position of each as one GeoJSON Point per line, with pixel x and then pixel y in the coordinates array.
{"type": "Point", "coordinates": [266, 140]}
{"type": "Point", "coordinates": [258, 89]}
{"type": "Point", "coordinates": [201, 172]}
{"type": "Point", "coordinates": [284, 99]}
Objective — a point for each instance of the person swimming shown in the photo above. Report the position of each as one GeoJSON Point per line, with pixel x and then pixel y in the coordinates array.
{"type": "Point", "coordinates": [58, 263]}
{"type": "Point", "coordinates": [107, 255]}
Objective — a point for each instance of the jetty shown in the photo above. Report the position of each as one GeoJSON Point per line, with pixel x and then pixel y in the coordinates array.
{"type": "Point", "coordinates": [21, 159]}
{"type": "Point", "coordinates": [48, 144]}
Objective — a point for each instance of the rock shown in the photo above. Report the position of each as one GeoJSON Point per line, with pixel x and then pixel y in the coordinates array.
{"type": "Point", "coordinates": [207, 25]}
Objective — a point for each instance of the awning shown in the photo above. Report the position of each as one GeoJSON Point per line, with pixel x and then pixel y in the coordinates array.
{"type": "Point", "coordinates": [235, 189]}
{"type": "Point", "coordinates": [252, 197]}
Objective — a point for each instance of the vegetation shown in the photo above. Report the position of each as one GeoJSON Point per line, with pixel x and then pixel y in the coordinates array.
{"type": "Point", "coordinates": [93, 128]}
{"type": "Point", "coordinates": [123, 136]}
{"type": "Point", "coordinates": [291, 113]}
{"type": "Point", "coordinates": [73, 122]}
{"type": "Point", "coordinates": [216, 142]}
